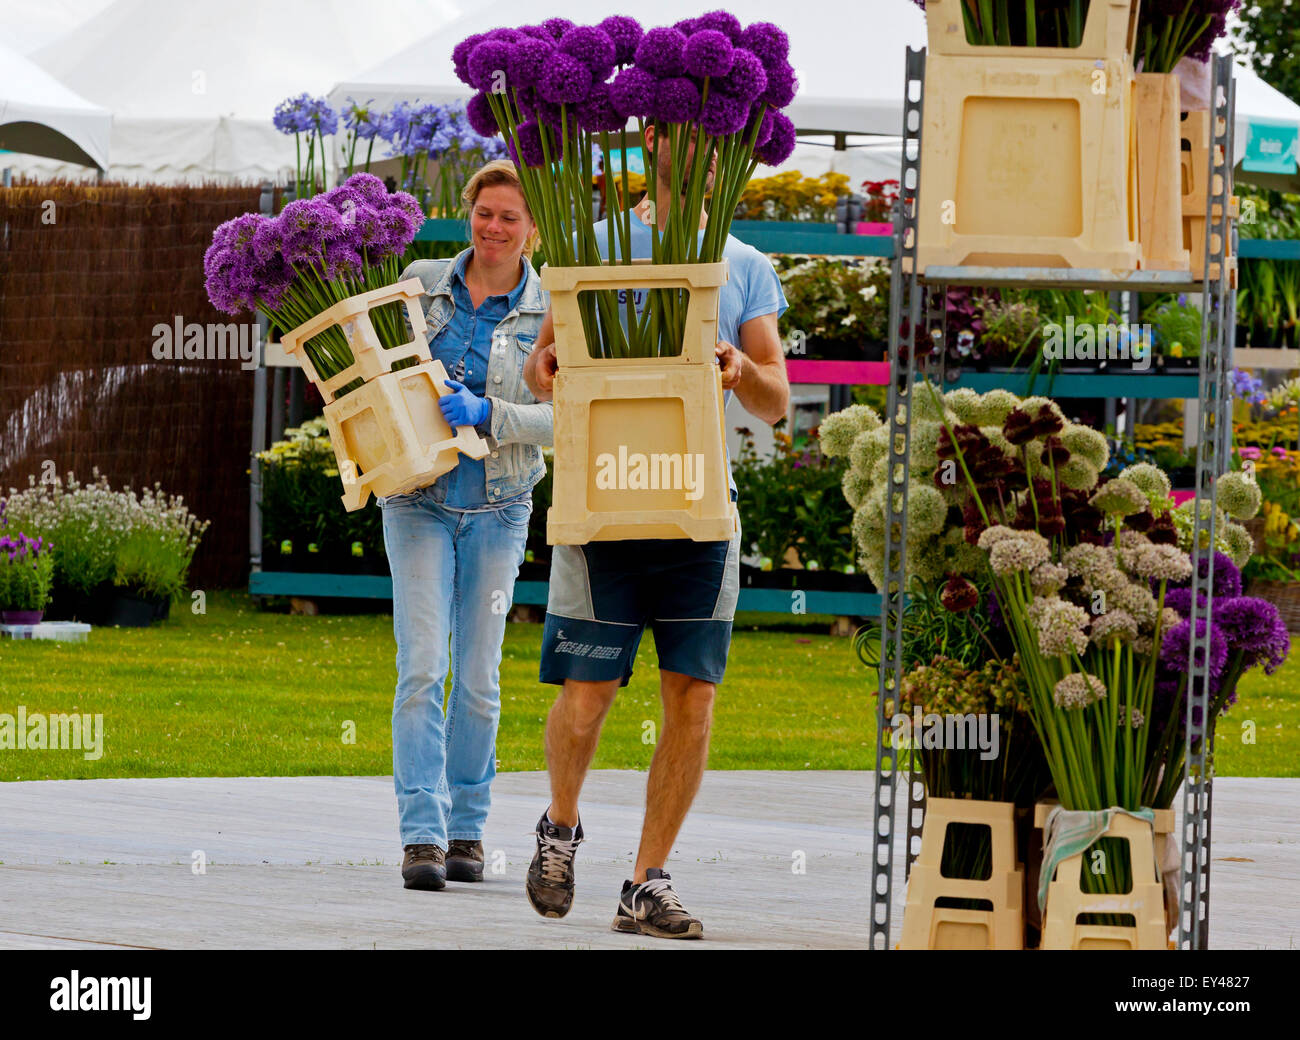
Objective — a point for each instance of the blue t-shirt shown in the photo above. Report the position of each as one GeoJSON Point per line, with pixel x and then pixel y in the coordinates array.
{"type": "Point", "coordinates": [752, 288]}
{"type": "Point", "coordinates": [463, 346]}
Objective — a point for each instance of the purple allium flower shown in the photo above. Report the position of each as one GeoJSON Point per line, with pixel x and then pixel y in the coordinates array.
{"type": "Point", "coordinates": [747, 79]}
{"type": "Point", "coordinates": [537, 32]}
{"type": "Point", "coordinates": [564, 80]}
{"type": "Point", "coordinates": [552, 114]}
{"type": "Point", "coordinates": [632, 92]}
{"type": "Point", "coordinates": [780, 145]}
{"type": "Point", "coordinates": [1227, 578]}
{"type": "Point", "coordinates": [723, 115]}
{"type": "Point", "coordinates": [504, 35]}
{"type": "Point", "coordinates": [479, 114]}
{"type": "Point", "coordinates": [782, 85]}
{"type": "Point", "coordinates": [597, 112]}
{"type": "Point", "coordinates": [530, 143]}
{"type": "Point", "coordinates": [660, 53]}
{"type": "Point", "coordinates": [1175, 647]}
{"type": "Point", "coordinates": [460, 56]}
{"type": "Point", "coordinates": [764, 128]}
{"type": "Point", "coordinates": [626, 33]}
{"type": "Point", "coordinates": [592, 47]}
{"type": "Point", "coordinates": [527, 59]}
{"type": "Point", "coordinates": [677, 100]}
{"type": "Point", "coordinates": [720, 21]}
{"type": "Point", "coordinates": [342, 260]}
{"type": "Point", "coordinates": [488, 63]}
{"type": "Point", "coordinates": [708, 53]}
{"type": "Point", "coordinates": [1181, 601]}
{"type": "Point", "coordinates": [769, 42]}
{"type": "Point", "coordinates": [686, 26]}
{"type": "Point", "coordinates": [557, 27]}
{"type": "Point", "coordinates": [368, 186]}
{"type": "Point", "coordinates": [1254, 627]}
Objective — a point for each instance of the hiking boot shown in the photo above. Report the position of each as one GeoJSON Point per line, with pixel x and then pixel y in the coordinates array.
{"type": "Point", "coordinates": [424, 866]}
{"type": "Point", "coordinates": [550, 875]}
{"type": "Point", "coordinates": [465, 860]}
{"type": "Point", "coordinates": [652, 908]}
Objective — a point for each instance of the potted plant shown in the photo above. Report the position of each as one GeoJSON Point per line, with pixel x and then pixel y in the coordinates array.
{"type": "Point", "coordinates": [559, 93]}
{"type": "Point", "coordinates": [879, 209]}
{"type": "Point", "coordinates": [793, 518]}
{"type": "Point", "coordinates": [118, 556]}
{"type": "Point", "coordinates": [1177, 327]}
{"type": "Point", "coordinates": [838, 309]}
{"type": "Point", "coordinates": [791, 196]}
{"type": "Point", "coordinates": [323, 272]}
{"type": "Point", "coordinates": [26, 574]}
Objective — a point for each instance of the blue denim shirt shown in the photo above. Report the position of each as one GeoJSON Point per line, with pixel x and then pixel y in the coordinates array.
{"type": "Point", "coordinates": [519, 424]}
{"type": "Point", "coordinates": [463, 346]}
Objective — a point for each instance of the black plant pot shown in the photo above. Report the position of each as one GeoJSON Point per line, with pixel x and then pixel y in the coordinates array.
{"type": "Point", "coordinates": [69, 604]}
{"type": "Point", "coordinates": [162, 608]}
{"type": "Point", "coordinates": [129, 610]}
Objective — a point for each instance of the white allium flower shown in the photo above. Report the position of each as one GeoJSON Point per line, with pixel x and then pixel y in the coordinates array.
{"type": "Point", "coordinates": [1114, 624]}
{"type": "Point", "coordinates": [964, 404]}
{"type": "Point", "coordinates": [839, 429]}
{"type": "Point", "coordinates": [1119, 498]}
{"type": "Point", "coordinates": [995, 406]}
{"type": "Point", "coordinates": [1078, 474]}
{"type": "Point", "coordinates": [1048, 578]}
{"type": "Point", "coordinates": [1239, 496]}
{"type": "Point", "coordinates": [1151, 479]}
{"type": "Point", "coordinates": [1160, 563]}
{"type": "Point", "coordinates": [1078, 690]}
{"type": "Point", "coordinates": [1241, 546]}
{"type": "Point", "coordinates": [1060, 626]}
{"type": "Point", "coordinates": [1086, 443]}
{"type": "Point", "coordinates": [855, 485]}
{"type": "Point", "coordinates": [868, 446]}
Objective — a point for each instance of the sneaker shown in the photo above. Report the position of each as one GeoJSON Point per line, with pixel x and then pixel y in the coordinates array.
{"type": "Point", "coordinates": [424, 866]}
{"type": "Point", "coordinates": [652, 908]}
{"type": "Point", "coordinates": [550, 875]}
{"type": "Point", "coordinates": [465, 860]}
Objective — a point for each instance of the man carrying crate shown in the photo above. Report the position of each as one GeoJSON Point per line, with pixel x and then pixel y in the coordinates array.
{"type": "Point", "coordinates": [604, 594]}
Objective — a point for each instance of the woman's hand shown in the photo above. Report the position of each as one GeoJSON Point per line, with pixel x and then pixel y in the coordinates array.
{"type": "Point", "coordinates": [463, 408]}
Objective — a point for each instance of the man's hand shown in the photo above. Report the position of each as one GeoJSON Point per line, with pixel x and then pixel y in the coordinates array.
{"type": "Point", "coordinates": [541, 365]}
{"type": "Point", "coordinates": [732, 362]}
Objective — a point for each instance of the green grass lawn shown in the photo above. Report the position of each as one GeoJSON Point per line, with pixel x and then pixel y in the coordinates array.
{"type": "Point", "coordinates": [241, 692]}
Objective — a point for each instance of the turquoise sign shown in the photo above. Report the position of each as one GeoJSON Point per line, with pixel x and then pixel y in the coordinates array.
{"type": "Point", "coordinates": [1271, 147]}
{"type": "Point", "coordinates": [635, 161]}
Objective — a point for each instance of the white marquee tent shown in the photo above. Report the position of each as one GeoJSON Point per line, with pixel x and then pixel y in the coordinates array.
{"type": "Point", "coordinates": [40, 116]}
{"type": "Point", "coordinates": [192, 86]}
{"type": "Point", "coordinates": [850, 63]}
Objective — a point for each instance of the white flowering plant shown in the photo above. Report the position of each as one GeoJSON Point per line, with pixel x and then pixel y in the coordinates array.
{"type": "Point", "coordinates": [833, 299]}
{"type": "Point", "coordinates": [141, 541]}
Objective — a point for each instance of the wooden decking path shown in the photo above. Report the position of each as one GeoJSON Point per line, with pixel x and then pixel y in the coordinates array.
{"type": "Point", "coordinates": [312, 862]}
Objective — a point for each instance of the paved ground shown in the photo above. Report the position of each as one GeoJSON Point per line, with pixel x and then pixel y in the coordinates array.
{"type": "Point", "coordinates": [312, 862]}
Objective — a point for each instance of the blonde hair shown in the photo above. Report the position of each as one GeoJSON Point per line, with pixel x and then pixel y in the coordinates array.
{"type": "Point", "coordinates": [497, 173]}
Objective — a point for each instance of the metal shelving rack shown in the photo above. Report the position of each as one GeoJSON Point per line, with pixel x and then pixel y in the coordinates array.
{"type": "Point", "coordinates": [913, 293]}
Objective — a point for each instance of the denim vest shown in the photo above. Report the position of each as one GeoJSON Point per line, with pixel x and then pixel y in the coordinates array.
{"type": "Point", "coordinates": [520, 423]}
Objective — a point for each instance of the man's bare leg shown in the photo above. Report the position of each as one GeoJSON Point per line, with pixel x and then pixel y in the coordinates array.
{"type": "Point", "coordinates": [572, 733]}
{"type": "Point", "coordinates": [677, 767]}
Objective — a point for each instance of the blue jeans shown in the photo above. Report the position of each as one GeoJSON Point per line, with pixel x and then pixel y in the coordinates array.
{"type": "Point", "coordinates": [453, 579]}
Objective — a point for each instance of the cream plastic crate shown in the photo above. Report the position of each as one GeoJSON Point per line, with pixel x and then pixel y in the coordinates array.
{"type": "Point", "coordinates": [1028, 152]}
{"type": "Point", "coordinates": [618, 408]}
{"type": "Point", "coordinates": [1145, 902]}
{"type": "Point", "coordinates": [1194, 159]}
{"type": "Point", "coordinates": [1159, 136]}
{"type": "Point", "coordinates": [930, 927]}
{"type": "Point", "coordinates": [389, 436]}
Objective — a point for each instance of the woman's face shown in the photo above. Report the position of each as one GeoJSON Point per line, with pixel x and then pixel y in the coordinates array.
{"type": "Point", "coordinates": [499, 224]}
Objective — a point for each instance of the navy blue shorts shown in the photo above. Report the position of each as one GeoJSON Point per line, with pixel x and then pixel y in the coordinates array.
{"type": "Point", "coordinates": [604, 594]}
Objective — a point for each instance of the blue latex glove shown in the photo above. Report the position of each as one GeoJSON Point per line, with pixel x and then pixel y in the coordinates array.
{"type": "Point", "coordinates": [463, 408]}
